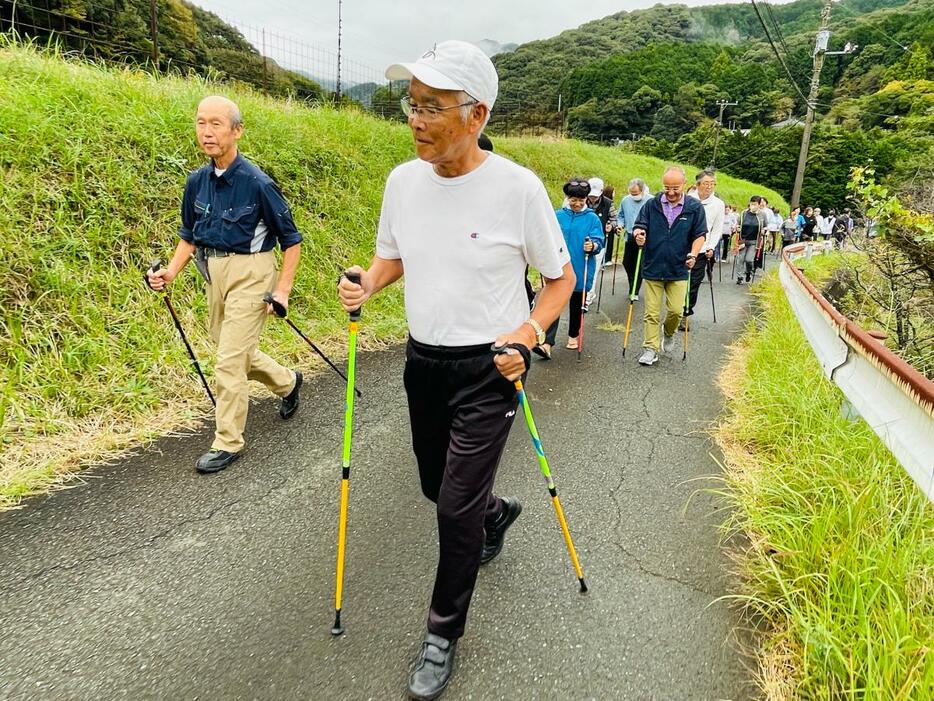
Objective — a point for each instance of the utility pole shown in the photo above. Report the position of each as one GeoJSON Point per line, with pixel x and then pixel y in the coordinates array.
{"type": "Point", "coordinates": [153, 32]}
{"type": "Point", "coordinates": [560, 119]}
{"type": "Point", "coordinates": [723, 104]}
{"type": "Point", "coordinates": [337, 91]}
{"type": "Point", "coordinates": [820, 48]}
{"type": "Point", "coordinates": [265, 70]}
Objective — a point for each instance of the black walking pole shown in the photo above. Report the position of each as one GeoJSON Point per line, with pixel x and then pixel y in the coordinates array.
{"type": "Point", "coordinates": [281, 312]}
{"type": "Point", "coordinates": [710, 280]}
{"type": "Point", "coordinates": [600, 288]}
{"type": "Point", "coordinates": [156, 264]}
{"type": "Point", "coordinates": [616, 260]}
{"type": "Point", "coordinates": [720, 260]}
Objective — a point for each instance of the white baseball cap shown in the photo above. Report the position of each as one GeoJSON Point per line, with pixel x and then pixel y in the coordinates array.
{"type": "Point", "coordinates": [453, 65]}
{"type": "Point", "coordinates": [596, 187]}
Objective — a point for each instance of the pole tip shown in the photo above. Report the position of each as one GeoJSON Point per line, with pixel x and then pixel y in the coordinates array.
{"type": "Point", "coordinates": [337, 628]}
{"type": "Point", "coordinates": [584, 589]}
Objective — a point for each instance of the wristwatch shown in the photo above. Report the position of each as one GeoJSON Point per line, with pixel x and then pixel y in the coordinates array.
{"type": "Point", "coordinates": [539, 331]}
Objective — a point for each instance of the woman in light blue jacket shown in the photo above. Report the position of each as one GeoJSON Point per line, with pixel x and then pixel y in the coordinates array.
{"type": "Point", "coordinates": [629, 209]}
{"type": "Point", "coordinates": [583, 235]}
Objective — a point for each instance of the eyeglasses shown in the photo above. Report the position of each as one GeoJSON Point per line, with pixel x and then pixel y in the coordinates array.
{"type": "Point", "coordinates": [427, 113]}
{"type": "Point", "coordinates": [676, 188]}
{"type": "Point", "coordinates": [578, 183]}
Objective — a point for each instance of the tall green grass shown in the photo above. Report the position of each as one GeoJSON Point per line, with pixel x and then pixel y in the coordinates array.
{"type": "Point", "coordinates": [839, 569]}
{"type": "Point", "coordinates": [92, 164]}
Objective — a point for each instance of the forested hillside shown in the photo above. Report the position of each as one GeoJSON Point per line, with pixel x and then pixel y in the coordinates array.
{"type": "Point", "coordinates": [654, 77]}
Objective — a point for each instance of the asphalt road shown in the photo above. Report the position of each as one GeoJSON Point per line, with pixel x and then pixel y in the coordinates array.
{"type": "Point", "coordinates": [147, 580]}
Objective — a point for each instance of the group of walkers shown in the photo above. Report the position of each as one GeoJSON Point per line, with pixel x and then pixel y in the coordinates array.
{"type": "Point", "coordinates": [463, 225]}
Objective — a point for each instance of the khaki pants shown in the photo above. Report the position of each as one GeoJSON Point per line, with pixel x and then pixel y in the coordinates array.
{"type": "Point", "coordinates": [236, 313]}
{"type": "Point", "coordinates": [674, 297]}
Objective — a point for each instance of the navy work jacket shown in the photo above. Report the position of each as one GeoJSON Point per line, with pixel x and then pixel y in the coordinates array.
{"type": "Point", "coordinates": [666, 249]}
{"type": "Point", "coordinates": [242, 210]}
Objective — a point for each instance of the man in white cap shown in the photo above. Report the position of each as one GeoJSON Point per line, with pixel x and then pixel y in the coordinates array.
{"type": "Point", "coordinates": [603, 207]}
{"type": "Point", "coordinates": [461, 224]}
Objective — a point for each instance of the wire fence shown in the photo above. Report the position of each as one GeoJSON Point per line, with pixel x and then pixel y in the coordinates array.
{"type": "Point", "coordinates": [167, 37]}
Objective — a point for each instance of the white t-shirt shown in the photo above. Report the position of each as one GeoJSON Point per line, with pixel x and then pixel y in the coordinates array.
{"type": "Point", "coordinates": [464, 243]}
{"type": "Point", "coordinates": [714, 209]}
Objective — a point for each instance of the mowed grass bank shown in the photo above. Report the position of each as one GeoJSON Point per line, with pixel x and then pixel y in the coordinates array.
{"type": "Point", "coordinates": [92, 165]}
{"type": "Point", "coordinates": [838, 571]}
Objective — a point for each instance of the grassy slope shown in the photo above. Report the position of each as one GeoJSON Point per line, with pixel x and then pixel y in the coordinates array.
{"type": "Point", "coordinates": [839, 570]}
{"type": "Point", "coordinates": [92, 163]}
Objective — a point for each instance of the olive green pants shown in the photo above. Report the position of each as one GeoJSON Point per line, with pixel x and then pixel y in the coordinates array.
{"type": "Point", "coordinates": [674, 291]}
{"type": "Point", "coordinates": [236, 314]}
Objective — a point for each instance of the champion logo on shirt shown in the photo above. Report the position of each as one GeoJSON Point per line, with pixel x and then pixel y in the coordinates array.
{"type": "Point", "coordinates": [474, 235]}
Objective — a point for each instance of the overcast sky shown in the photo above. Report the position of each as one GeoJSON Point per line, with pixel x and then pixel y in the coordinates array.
{"type": "Point", "coordinates": [379, 32]}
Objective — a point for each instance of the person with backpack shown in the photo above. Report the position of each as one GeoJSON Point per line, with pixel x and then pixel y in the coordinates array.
{"type": "Point", "coordinates": [752, 229]}
{"type": "Point", "coordinates": [602, 206]}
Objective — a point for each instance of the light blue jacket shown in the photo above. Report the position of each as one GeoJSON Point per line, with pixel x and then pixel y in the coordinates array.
{"type": "Point", "coordinates": [628, 211]}
{"type": "Point", "coordinates": [577, 226]}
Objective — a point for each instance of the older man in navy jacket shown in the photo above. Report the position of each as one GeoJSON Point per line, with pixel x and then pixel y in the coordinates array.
{"type": "Point", "coordinates": [671, 228]}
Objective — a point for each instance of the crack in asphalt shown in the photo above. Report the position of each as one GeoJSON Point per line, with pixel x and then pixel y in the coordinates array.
{"type": "Point", "coordinates": [614, 495]}
{"type": "Point", "coordinates": [152, 540]}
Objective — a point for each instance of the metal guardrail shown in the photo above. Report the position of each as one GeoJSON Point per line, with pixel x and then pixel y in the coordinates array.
{"type": "Point", "coordinates": [896, 401]}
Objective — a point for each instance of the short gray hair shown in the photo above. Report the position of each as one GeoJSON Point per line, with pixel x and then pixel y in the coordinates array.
{"type": "Point", "coordinates": [637, 182]}
{"type": "Point", "coordinates": [463, 97]}
{"type": "Point", "coordinates": [705, 173]}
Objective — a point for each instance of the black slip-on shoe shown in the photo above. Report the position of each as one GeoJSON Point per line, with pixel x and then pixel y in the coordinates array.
{"type": "Point", "coordinates": [289, 404]}
{"type": "Point", "coordinates": [432, 669]}
{"type": "Point", "coordinates": [497, 533]}
{"type": "Point", "coordinates": [215, 461]}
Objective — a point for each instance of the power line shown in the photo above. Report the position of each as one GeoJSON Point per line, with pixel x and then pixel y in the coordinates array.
{"type": "Point", "coordinates": [874, 28]}
{"type": "Point", "coordinates": [777, 28]}
{"type": "Point", "coordinates": [781, 60]}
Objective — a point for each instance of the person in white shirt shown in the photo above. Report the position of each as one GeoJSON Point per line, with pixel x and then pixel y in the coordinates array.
{"type": "Point", "coordinates": [461, 224]}
{"type": "Point", "coordinates": [730, 225]}
{"type": "Point", "coordinates": [714, 209]}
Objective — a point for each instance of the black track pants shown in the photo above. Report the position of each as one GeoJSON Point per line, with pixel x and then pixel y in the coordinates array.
{"type": "Point", "coordinates": [461, 410]}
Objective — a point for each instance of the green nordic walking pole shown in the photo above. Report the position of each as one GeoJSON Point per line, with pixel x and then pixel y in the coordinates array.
{"type": "Point", "coordinates": [546, 472]}
{"type": "Point", "coordinates": [352, 326]}
{"type": "Point", "coordinates": [632, 300]}
{"type": "Point", "coordinates": [550, 483]}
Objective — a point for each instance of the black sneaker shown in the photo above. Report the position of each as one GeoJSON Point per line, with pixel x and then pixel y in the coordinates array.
{"type": "Point", "coordinates": [215, 461]}
{"type": "Point", "coordinates": [432, 669]}
{"type": "Point", "coordinates": [289, 404]}
{"type": "Point", "coordinates": [495, 535]}
{"type": "Point", "coordinates": [739, 281]}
